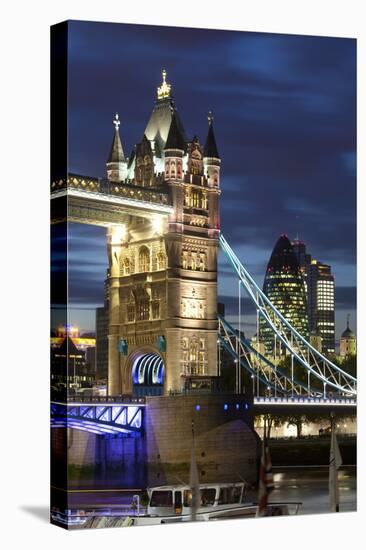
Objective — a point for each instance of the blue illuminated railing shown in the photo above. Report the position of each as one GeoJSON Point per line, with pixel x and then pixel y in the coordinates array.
{"type": "Point", "coordinates": [101, 419]}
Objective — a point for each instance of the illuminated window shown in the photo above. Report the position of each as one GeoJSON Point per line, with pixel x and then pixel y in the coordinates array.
{"type": "Point", "coordinates": [195, 199]}
{"type": "Point", "coordinates": [143, 312]}
{"type": "Point", "coordinates": [161, 260]}
{"type": "Point", "coordinates": [155, 310]}
{"type": "Point", "coordinates": [130, 313]}
{"type": "Point", "coordinates": [144, 259]}
{"type": "Point", "coordinates": [201, 362]}
{"type": "Point", "coordinates": [126, 267]}
{"type": "Point", "coordinates": [193, 352]}
{"type": "Point", "coordinates": [202, 262]}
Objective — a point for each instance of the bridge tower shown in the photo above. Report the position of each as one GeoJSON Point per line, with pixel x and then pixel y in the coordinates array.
{"type": "Point", "coordinates": [163, 270]}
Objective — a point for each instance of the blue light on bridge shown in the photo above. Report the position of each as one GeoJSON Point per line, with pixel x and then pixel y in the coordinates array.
{"type": "Point", "coordinates": [226, 406]}
{"type": "Point", "coordinates": [161, 342]}
{"type": "Point", "coordinates": [123, 346]}
{"type": "Point", "coordinates": [198, 407]}
{"type": "Point", "coordinates": [237, 406]}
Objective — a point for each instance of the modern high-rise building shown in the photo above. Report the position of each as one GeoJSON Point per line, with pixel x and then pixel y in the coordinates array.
{"type": "Point", "coordinates": [320, 291]}
{"type": "Point", "coordinates": [321, 301]}
{"type": "Point", "coordinates": [284, 285]}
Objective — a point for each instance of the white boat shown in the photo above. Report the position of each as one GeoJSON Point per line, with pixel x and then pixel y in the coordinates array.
{"type": "Point", "coordinates": [172, 503]}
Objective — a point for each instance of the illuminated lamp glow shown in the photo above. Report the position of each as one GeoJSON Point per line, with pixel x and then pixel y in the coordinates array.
{"type": "Point", "coordinates": [226, 406]}
{"type": "Point", "coordinates": [237, 406]}
{"type": "Point", "coordinates": [118, 234]}
{"type": "Point", "coordinates": [157, 224]}
{"type": "Point", "coordinates": [198, 407]}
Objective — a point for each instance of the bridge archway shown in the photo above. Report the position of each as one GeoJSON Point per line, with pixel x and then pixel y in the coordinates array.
{"type": "Point", "coordinates": [146, 370]}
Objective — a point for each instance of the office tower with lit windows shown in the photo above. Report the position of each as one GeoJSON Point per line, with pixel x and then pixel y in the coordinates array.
{"type": "Point", "coordinates": [320, 290]}
{"type": "Point", "coordinates": [321, 303]}
{"type": "Point", "coordinates": [284, 285]}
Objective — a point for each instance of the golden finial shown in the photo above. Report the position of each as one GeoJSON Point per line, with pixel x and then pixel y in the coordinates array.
{"type": "Point", "coordinates": [164, 89]}
{"type": "Point", "coordinates": [116, 122]}
{"type": "Point", "coordinates": [210, 117]}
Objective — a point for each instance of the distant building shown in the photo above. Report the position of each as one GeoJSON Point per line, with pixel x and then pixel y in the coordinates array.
{"type": "Point", "coordinates": [102, 328]}
{"type": "Point", "coordinates": [316, 341]}
{"type": "Point", "coordinates": [348, 342]}
{"type": "Point", "coordinates": [101, 323]}
{"type": "Point", "coordinates": [320, 292]}
{"type": "Point", "coordinates": [82, 342]}
{"type": "Point", "coordinates": [284, 285]}
{"type": "Point", "coordinates": [68, 366]}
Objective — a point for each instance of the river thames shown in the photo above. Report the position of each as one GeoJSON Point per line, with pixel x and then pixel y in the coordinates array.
{"type": "Point", "coordinates": [307, 485]}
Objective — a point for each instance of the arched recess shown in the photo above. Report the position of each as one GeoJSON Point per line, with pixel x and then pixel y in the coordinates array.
{"type": "Point", "coordinates": [145, 371]}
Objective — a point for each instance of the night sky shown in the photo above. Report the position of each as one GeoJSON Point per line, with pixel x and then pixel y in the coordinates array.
{"type": "Point", "coordinates": [285, 125]}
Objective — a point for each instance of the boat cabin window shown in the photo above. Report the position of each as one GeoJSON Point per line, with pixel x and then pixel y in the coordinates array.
{"type": "Point", "coordinates": [161, 499]}
{"type": "Point", "coordinates": [230, 495]}
{"type": "Point", "coordinates": [207, 497]}
{"type": "Point", "coordinates": [187, 501]}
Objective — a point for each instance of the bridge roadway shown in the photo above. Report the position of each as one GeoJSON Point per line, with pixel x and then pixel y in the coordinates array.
{"type": "Point", "coordinates": [123, 416]}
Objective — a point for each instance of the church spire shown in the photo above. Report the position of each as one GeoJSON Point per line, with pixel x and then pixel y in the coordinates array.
{"type": "Point", "coordinates": [116, 163]}
{"type": "Point", "coordinates": [210, 149]}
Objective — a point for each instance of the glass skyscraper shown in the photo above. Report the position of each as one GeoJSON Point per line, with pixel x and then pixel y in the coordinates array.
{"type": "Point", "coordinates": [285, 287]}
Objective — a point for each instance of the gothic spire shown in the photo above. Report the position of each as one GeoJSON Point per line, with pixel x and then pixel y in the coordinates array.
{"type": "Point", "coordinates": [210, 149]}
{"type": "Point", "coordinates": [116, 153]}
{"type": "Point", "coordinates": [175, 139]}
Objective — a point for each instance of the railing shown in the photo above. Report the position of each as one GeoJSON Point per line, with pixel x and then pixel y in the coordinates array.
{"type": "Point", "coordinates": [301, 400]}
{"type": "Point", "coordinates": [128, 190]}
{"type": "Point", "coordinates": [125, 399]}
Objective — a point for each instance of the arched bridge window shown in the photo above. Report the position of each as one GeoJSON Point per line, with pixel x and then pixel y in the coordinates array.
{"type": "Point", "coordinates": [144, 259]}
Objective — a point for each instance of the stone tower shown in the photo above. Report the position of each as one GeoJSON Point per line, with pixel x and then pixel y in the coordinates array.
{"type": "Point", "coordinates": [163, 272]}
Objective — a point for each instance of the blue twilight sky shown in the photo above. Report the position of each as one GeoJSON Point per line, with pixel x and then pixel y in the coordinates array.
{"type": "Point", "coordinates": [285, 124]}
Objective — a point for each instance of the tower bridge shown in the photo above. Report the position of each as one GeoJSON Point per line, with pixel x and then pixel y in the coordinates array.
{"type": "Point", "coordinates": [160, 207]}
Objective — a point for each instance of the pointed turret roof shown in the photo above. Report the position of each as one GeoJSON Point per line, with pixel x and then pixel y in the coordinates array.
{"type": "Point", "coordinates": [144, 147]}
{"type": "Point", "coordinates": [210, 149]}
{"type": "Point", "coordinates": [348, 333]}
{"type": "Point", "coordinates": [116, 153]}
{"type": "Point", "coordinates": [175, 139]}
{"type": "Point", "coordinates": [158, 126]}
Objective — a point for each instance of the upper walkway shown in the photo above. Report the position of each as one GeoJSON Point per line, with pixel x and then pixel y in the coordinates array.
{"type": "Point", "coordinates": [96, 201]}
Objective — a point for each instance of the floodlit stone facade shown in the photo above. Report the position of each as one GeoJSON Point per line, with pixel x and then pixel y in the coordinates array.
{"type": "Point", "coordinates": [163, 269]}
